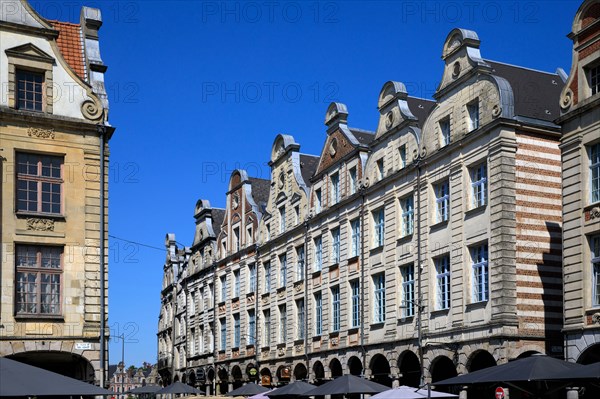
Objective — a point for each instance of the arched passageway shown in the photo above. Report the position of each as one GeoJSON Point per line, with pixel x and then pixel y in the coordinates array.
{"type": "Point", "coordinates": [410, 369]}
{"type": "Point", "coordinates": [380, 370]}
{"type": "Point", "coordinates": [442, 368]}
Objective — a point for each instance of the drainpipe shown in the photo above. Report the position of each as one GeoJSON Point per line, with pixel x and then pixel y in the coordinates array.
{"type": "Point", "coordinates": [255, 332]}
{"type": "Point", "coordinates": [306, 298]}
{"type": "Point", "coordinates": [419, 277]}
{"type": "Point", "coordinates": [102, 143]}
{"type": "Point", "coordinates": [362, 281]}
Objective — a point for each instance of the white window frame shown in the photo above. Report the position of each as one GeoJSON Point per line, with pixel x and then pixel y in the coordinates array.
{"type": "Point", "coordinates": [594, 161]}
{"type": "Point", "coordinates": [355, 292]}
{"type": "Point", "coordinates": [379, 298]}
{"type": "Point", "coordinates": [251, 327]}
{"type": "Point", "coordinates": [237, 331]}
{"type": "Point", "coordinates": [355, 237]}
{"type": "Point", "coordinates": [336, 309]}
{"type": "Point", "coordinates": [267, 268]}
{"type": "Point", "coordinates": [282, 271]}
{"type": "Point", "coordinates": [408, 215]}
{"type": "Point", "coordinates": [300, 263]}
{"type": "Point", "coordinates": [443, 283]}
{"type": "Point", "coordinates": [402, 154]}
{"type": "Point", "coordinates": [445, 132]}
{"type": "Point", "coordinates": [478, 185]}
{"type": "Point", "coordinates": [282, 219]}
{"type": "Point", "coordinates": [335, 245]}
{"type": "Point", "coordinates": [481, 276]}
{"type": "Point", "coordinates": [335, 188]}
{"type": "Point", "coordinates": [474, 115]}
{"type": "Point", "coordinates": [282, 324]}
{"type": "Point", "coordinates": [252, 277]}
{"type": "Point", "coordinates": [318, 254]}
{"type": "Point", "coordinates": [318, 313]}
{"type": "Point", "coordinates": [267, 329]}
{"type": "Point", "coordinates": [301, 318]}
{"type": "Point", "coordinates": [442, 201]}
{"type": "Point", "coordinates": [408, 290]}
{"type": "Point", "coordinates": [378, 227]}
{"type": "Point", "coordinates": [352, 180]}
{"type": "Point", "coordinates": [223, 333]}
{"type": "Point", "coordinates": [236, 284]}
{"type": "Point", "coordinates": [594, 79]}
{"type": "Point", "coordinates": [223, 281]}
{"type": "Point", "coordinates": [318, 200]}
{"type": "Point", "coordinates": [595, 260]}
{"type": "Point", "coordinates": [380, 168]}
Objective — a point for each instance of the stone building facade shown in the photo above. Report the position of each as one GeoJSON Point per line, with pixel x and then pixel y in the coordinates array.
{"type": "Point", "coordinates": [580, 148]}
{"type": "Point", "coordinates": [426, 249]}
{"type": "Point", "coordinates": [53, 140]}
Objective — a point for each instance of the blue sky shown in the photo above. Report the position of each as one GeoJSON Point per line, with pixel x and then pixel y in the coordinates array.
{"type": "Point", "coordinates": [200, 88]}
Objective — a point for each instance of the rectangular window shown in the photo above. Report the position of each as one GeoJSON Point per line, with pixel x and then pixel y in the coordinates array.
{"type": "Point", "coordinates": [236, 330]}
{"type": "Point", "coordinates": [297, 214]}
{"type": "Point", "coordinates": [355, 236]}
{"type": "Point", "coordinates": [595, 79]}
{"type": "Point", "coordinates": [282, 324]}
{"type": "Point", "coordinates": [267, 267]}
{"type": "Point", "coordinates": [352, 180]}
{"type": "Point", "coordinates": [30, 90]}
{"type": "Point", "coordinates": [442, 266]}
{"type": "Point", "coordinates": [402, 153]}
{"type": "Point", "coordinates": [473, 110]}
{"type": "Point", "coordinates": [201, 341]}
{"type": "Point", "coordinates": [379, 309]}
{"type": "Point", "coordinates": [318, 202]}
{"type": "Point", "coordinates": [479, 185]}
{"type": "Point", "coordinates": [223, 281]}
{"type": "Point", "coordinates": [355, 287]}
{"type": "Point", "coordinates": [268, 231]}
{"type": "Point", "coordinates": [249, 235]}
{"type": "Point", "coordinates": [300, 269]}
{"type": "Point", "coordinates": [408, 290]}
{"type": "Point", "coordinates": [318, 254]}
{"type": "Point", "coordinates": [282, 270]}
{"type": "Point", "coordinates": [211, 296]}
{"type": "Point", "coordinates": [300, 318]}
{"type": "Point", "coordinates": [379, 227]}
{"type": "Point", "coordinates": [408, 215]}
{"type": "Point", "coordinates": [595, 255]}
{"type": "Point", "coordinates": [442, 201]}
{"type": "Point", "coordinates": [335, 245]}
{"type": "Point", "coordinates": [282, 221]}
{"type": "Point", "coordinates": [267, 330]}
{"type": "Point", "coordinates": [595, 172]}
{"type": "Point", "coordinates": [252, 278]}
{"type": "Point", "coordinates": [445, 131]}
{"type": "Point", "coordinates": [380, 170]}
{"type": "Point", "coordinates": [251, 328]}
{"type": "Point", "coordinates": [335, 308]}
{"type": "Point", "coordinates": [318, 313]}
{"type": "Point", "coordinates": [236, 238]}
{"type": "Point", "coordinates": [39, 272]}
{"type": "Point", "coordinates": [39, 183]}
{"type": "Point", "coordinates": [479, 258]}
{"type": "Point", "coordinates": [236, 283]}
{"type": "Point", "coordinates": [335, 188]}
{"type": "Point", "coordinates": [194, 343]}
{"type": "Point", "coordinates": [223, 323]}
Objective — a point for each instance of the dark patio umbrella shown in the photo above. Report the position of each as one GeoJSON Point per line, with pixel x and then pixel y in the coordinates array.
{"type": "Point", "coordinates": [347, 384]}
{"type": "Point", "coordinates": [247, 390]}
{"type": "Point", "coordinates": [588, 372]}
{"type": "Point", "coordinates": [294, 389]}
{"type": "Point", "coordinates": [144, 389]}
{"type": "Point", "coordinates": [406, 392]}
{"type": "Point", "coordinates": [537, 367]}
{"type": "Point", "coordinates": [178, 387]}
{"type": "Point", "coordinates": [20, 379]}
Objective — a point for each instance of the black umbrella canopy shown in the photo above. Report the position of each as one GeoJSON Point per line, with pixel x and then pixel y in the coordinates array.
{"type": "Point", "coordinates": [347, 384]}
{"type": "Point", "coordinates": [178, 387]}
{"type": "Point", "coordinates": [247, 390]}
{"type": "Point", "coordinates": [590, 371]}
{"type": "Point", "coordinates": [406, 392]}
{"type": "Point", "coordinates": [533, 368]}
{"type": "Point", "coordinates": [20, 379]}
{"type": "Point", "coordinates": [294, 389]}
{"type": "Point", "coordinates": [144, 389]}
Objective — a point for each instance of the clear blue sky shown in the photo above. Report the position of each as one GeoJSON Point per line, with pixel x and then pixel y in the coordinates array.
{"type": "Point", "coordinates": [199, 88]}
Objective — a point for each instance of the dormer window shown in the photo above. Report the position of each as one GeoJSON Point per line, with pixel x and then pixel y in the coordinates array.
{"type": "Point", "coordinates": [445, 131]}
{"type": "Point", "coordinates": [318, 200]}
{"type": "Point", "coordinates": [595, 79]}
{"type": "Point", "coordinates": [335, 188]}
{"type": "Point", "coordinates": [282, 221]}
{"type": "Point", "coordinates": [380, 169]}
{"type": "Point", "coordinates": [473, 110]}
{"type": "Point", "coordinates": [352, 181]}
{"type": "Point", "coordinates": [402, 152]}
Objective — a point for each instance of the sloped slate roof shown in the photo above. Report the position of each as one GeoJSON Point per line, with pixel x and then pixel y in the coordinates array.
{"type": "Point", "coordinates": [420, 108]}
{"type": "Point", "coordinates": [260, 191]}
{"type": "Point", "coordinates": [363, 136]}
{"type": "Point", "coordinates": [536, 93]}
{"type": "Point", "coordinates": [218, 215]}
{"type": "Point", "coordinates": [70, 44]}
{"type": "Point", "coordinates": [308, 166]}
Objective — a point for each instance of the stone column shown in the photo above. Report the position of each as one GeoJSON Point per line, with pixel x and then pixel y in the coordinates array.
{"type": "Point", "coordinates": [573, 393]}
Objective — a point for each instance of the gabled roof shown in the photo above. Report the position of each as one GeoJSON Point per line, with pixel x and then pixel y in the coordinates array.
{"type": "Point", "coordinates": [308, 167]}
{"type": "Point", "coordinates": [536, 93]}
{"type": "Point", "coordinates": [71, 46]}
{"type": "Point", "coordinates": [420, 108]}
{"type": "Point", "coordinates": [260, 191]}
{"type": "Point", "coordinates": [363, 136]}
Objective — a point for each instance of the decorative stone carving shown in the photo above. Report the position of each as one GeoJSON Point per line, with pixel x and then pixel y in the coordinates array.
{"type": "Point", "coordinates": [496, 111]}
{"type": "Point", "coordinates": [596, 318]}
{"type": "Point", "coordinates": [595, 213]}
{"type": "Point", "coordinates": [40, 133]}
{"type": "Point", "coordinates": [37, 224]}
{"type": "Point", "coordinates": [299, 348]}
{"type": "Point", "coordinates": [389, 120]}
{"type": "Point", "coordinates": [92, 111]}
{"type": "Point", "coordinates": [566, 100]}
{"type": "Point", "coordinates": [281, 180]}
{"type": "Point", "coordinates": [236, 201]}
{"type": "Point", "coordinates": [333, 147]}
{"type": "Point", "coordinates": [455, 69]}
{"type": "Point", "coordinates": [281, 351]}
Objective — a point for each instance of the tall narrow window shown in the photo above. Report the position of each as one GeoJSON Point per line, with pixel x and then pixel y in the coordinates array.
{"type": "Point", "coordinates": [300, 318]}
{"type": "Point", "coordinates": [223, 323]}
{"type": "Point", "coordinates": [479, 257]}
{"type": "Point", "coordinates": [236, 283]}
{"type": "Point", "coordinates": [282, 221]}
{"type": "Point", "coordinates": [39, 183]}
{"type": "Point", "coordinates": [268, 231]}
{"type": "Point", "coordinates": [442, 201]}
{"type": "Point", "coordinates": [355, 236]}
{"type": "Point", "coordinates": [335, 308]}
{"type": "Point", "coordinates": [267, 328]}
{"type": "Point", "coordinates": [379, 224]}
{"type": "Point", "coordinates": [335, 245]}
{"type": "Point", "coordinates": [595, 79]}
{"type": "Point", "coordinates": [445, 131]}
{"type": "Point", "coordinates": [355, 288]}
{"type": "Point", "coordinates": [300, 268]}
{"type": "Point", "coordinates": [479, 185]}
{"type": "Point", "coordinates": [223, 281]}
{"type": "Point", "coordinates": [379, 298]}
{"type": "Point", "coordinates": [408, 290]}
{"type": "Point", "coordinates": [352, 180]}
{"type": "Point", "coordinates": [251, 333]}
{"type": "Point", "coordinates": [297, 214]}
{"type": "Point", "coordinates": [318, 313]}
{"type": "Point", "coordinates": [282, 270]}
{"type": "Point", "coordinates": [595, 255]}
{"type": "Point", "coordinates": [335, 188]}
{"type": "Point", "coordinates": [252, 278]}
{"type": "Point", "coordinates": [249, 235]}
{"type": "Point", "coordinates": [595, 172]}
{"type": "Point", "coordinates": [282, 324]}
{"type": "Point", "coordinates": [236, 330]}
{"type": "Point", "coordinates": [402, 154]}
{"type": "Point", "coordinates": [39, 270]}
{"type": "Point", "coordinates": [30, 90]}
{"type": "Point", "coordinates": [473, 110]}
{"type": "Point", "coordinates": [267, 267]}
{"type": "Point", "coordinates": [380, 170]}
{"type": "Point", "coordinates": [408, 215]}
{"type": "Point", "coordinates": [318, 202]}
{"type": "Point", "coordinates": [318, 254]}
{"type": "Point", "coordinates": [442, 266]}
{"type": "Point", "coordinates": [236, 238]}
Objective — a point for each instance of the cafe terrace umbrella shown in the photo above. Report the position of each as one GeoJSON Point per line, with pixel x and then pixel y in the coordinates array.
{"type": "Point", "coordinates": [294, 389]}
{"type": "Point", "coordinates": [536, 367]}
{"type": "Point", "coordinates": [261, 395]}
{"type": "Point", "coordinates": [588, 372]}
{"type": "Point", "coordinates": [406, 392]}
{"type": "Point", "coordinates": [248, 390]}
{"type": "Point", "coordinates": [347, 384]}
{"type": "Point", "coordinates": [178, 387]}
{"type": "Point", "coordinates": [20, 379]}
{"type": "Point", "coordinates": [145, 389]}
